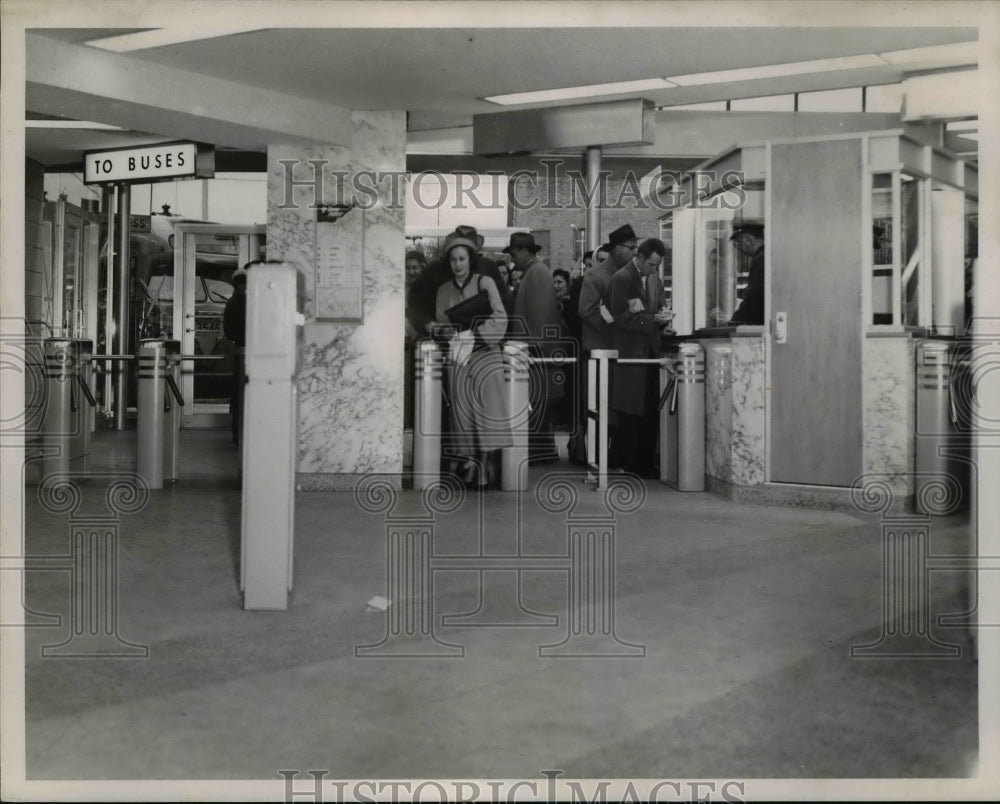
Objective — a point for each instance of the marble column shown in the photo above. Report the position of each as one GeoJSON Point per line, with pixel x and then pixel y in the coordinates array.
{"type": "Point", "coordinates": [718, 409]}
{"type": "Point", "coordinates": [749, 411]}
{"type": "Point", "coordinates": [888, 396]}
{"type": "Point", "coordinates": [350, 379]}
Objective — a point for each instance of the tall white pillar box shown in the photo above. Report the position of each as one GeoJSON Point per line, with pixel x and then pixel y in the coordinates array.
{"type": "Point", "coordinates": [269, 436]}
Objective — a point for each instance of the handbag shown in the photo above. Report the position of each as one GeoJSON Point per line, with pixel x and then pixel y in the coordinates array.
{"type": "Point", "coordinates": [468, 311]}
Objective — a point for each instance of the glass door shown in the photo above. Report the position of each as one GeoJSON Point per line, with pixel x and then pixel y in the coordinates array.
{"type": "Point", "coordinates": [193, 301]}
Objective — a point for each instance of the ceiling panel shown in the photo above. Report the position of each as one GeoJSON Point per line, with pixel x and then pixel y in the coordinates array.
{"type": "Point", "coordinates": [441, 75]}
{"type": "Point", "coordinates": [439, 69]}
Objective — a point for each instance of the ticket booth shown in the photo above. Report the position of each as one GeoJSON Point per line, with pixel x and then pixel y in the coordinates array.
{"type": "Point", "coordinates": [867, 242]}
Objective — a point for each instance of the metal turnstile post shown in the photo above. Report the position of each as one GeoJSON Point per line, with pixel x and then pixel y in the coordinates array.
{"type": "Point", "coordinates": [682, 420]}
{"type": "Point", "coordinates": [159, 404]}
{"type": "Point", "coordinates": [598, 414]}
{"type": "Point", "coordinates": [936, 437]}
{"type": "Point", "coordinates": [514, 459]}
{"type": "Point", "coordinates": [69, 399]}
{"type": "Point", "coordinates": [429, 374]}
{"type": "Point", "coordinates": [269, 438]}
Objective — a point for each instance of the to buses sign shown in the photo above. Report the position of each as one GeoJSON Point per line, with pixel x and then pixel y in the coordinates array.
{"type": "Point", "coordinates": [175, 160]}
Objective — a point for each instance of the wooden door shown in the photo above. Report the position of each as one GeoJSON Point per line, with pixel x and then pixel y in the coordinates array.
{"type": "Point", "coordinates": [814, 235]}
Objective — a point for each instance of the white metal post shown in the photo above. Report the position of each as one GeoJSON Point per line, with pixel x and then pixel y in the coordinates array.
{"type": "Point", "coordinates": [269, 437]}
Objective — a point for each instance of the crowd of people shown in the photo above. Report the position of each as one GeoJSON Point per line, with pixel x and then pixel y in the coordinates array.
{"type": "Point", "coordinates": [471, 303]}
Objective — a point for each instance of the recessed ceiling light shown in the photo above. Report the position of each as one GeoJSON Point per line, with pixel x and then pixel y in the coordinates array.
{"type": "Point", "coordinates": [158, 37]}
{"type": "Point", "coordinates": [955, 54]}
{"type": "Point", "coordinates": [588, 91]}
{"type": "Point", "coordinates": [87, 124]}
{"type": "Point", "coordinates": [777, 70]}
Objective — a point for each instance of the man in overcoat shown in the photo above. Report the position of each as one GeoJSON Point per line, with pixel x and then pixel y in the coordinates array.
{"type": "Point", "coordinates": [637, 308]}
{"type": "Point", "coordinates": [538, 320]}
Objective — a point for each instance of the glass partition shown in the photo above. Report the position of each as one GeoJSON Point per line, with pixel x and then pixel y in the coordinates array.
{"type": "Point", "coordinates": [667, 266]}
{"type": "Point", "coordinates": [911, 211]}
{"type": "Point", "coordinates": [883, 260]}
{"type": "Point", "coordinates": [971, 257]}
{"type": "Point", "coordinates": [725, 272]}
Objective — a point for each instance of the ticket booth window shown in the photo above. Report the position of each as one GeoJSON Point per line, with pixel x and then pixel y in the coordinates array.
{"type": "Point", "coordinates": [667, 265]}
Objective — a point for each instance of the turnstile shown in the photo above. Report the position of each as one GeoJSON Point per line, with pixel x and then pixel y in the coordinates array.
{"type": "Point", "coordinates": [69, 406]}
{"type": "Point", "coordinates": [682, 420]}
{"type": "Point", "coordinates": [159, 412]}
{"type": "Point", "coordinates": [430, 397]}
{"type": "Point", "coordinates": [942, 444]}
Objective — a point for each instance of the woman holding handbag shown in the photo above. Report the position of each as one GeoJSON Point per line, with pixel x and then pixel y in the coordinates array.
{"type": "Point", "coordinates": [470, 307]}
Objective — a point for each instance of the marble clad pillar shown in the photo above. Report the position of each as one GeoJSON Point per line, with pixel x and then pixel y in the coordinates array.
{"type": "Point", "coordinates": [749, 411]}
{"type": "Point", "coordinates": [889, 410]}
{"type": "Point", "coordinates": [350, 380]}
{"type": "Point", "coordinates": [735, 413]}
{"type": "Point", "coordinates": [718, 409]}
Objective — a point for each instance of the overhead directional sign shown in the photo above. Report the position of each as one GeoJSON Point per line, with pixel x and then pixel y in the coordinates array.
{"type": "Point", "coordinates": [172, 160]}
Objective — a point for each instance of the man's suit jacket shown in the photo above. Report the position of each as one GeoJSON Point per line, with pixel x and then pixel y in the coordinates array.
{"type": "Point", "coordinates": [634, 335]}
{"type": "Point", "coordinates": [593, 293]}
{"type": "Point", "coordinates": [536, 313]}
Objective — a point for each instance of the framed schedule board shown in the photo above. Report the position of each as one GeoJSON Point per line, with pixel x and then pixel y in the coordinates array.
{"type": "Point", "coordinates": [340, 263]}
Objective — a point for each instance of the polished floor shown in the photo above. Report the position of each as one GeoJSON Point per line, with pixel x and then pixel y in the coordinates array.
{"type": "Point", "coordinates": [728, 653]}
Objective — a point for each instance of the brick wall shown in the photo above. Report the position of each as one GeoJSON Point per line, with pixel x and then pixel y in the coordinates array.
{"type": "Point", "coordinates": [563, 210]}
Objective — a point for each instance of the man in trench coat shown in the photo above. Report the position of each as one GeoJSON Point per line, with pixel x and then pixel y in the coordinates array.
{"type": "Point", "coordinates": [637, 307]}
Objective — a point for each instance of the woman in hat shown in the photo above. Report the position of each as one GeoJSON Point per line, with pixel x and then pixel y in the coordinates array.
{"type": "Point", "coordinates": [480, 421]}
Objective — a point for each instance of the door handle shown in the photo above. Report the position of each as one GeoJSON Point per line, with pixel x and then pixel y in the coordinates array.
{"type": "Point", "coordinates": [781, 327]}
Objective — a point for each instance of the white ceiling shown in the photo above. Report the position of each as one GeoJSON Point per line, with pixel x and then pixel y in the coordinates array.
{"type": "Point", "coordinates": [441, 75]}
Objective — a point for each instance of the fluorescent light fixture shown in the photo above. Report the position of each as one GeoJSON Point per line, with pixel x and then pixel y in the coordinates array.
{"type": "Point", "coordinates": [957, 53]}
{"type": "Point", "coordinates": [778, 70]}
{"type": "Point", "coordinates": [86, 124]}
{"type": "Point", "coordinates": [707, 106]}
{"type": "Point", "coordinates": [158, 37]}
{"type": "Point", "coordinates": [589, 91]}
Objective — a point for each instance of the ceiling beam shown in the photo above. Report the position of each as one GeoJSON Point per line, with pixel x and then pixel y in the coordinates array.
{"type": "Point", "coordinates": [75, 81]}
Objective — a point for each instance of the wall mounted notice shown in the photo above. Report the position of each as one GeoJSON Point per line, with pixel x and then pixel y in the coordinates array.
{"type": "Point", "coordinates": [340, 269]}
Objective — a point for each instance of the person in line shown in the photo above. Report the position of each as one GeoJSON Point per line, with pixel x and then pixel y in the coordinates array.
{"type": "Point", "coordinates": [478, 417]}
{"type": "Point", "coordinates": [566, 414]}
{"type": "Point", "coordinates": [415, 262]}
{"type": "Point", "coordinates": [234, 327]}
{"type": "Point", "coordinates": [422, 294]}
{"type": "Point", "coordinates": [560, 283]}
{"type": "Point", "coordinates": [636, 304]}
{"type": "Point", "coordinates": [594, 291]}
{"type": "Point", "coordinates": [516, 273]}
{"type": "Point", "coordinates": [504, 269]}
{"type": "Point", "coordinates": [601, 253]}
{"type": "Point", "coordinates": [538, 319]}
{"type": "Point", "coordinates": [749, 238]}
{"type": "Point", "coordinates": [595, 316]}
{"type": "Point", "coordinates": [575, 409]}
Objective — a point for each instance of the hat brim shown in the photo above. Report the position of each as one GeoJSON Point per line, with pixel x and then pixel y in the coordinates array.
{"type": "Point", "coordinates": [533, 249]}
{"type": "Point", "coordinates": [459, 241]}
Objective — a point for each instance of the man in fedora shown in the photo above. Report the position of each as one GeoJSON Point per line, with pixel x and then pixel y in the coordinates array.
{"type": "Point", "coordinates": [637, 304]}
{"type": "Point", "coordinates": [538, 319]}
{"type": "Point", "coordinates": [422, 295]}
{"type": "Point", "coordinates": [595, 301]}
{"type": "Point", "coordinates": [748, 236]}
{"type": "Point", "coordinates": [594, 291]}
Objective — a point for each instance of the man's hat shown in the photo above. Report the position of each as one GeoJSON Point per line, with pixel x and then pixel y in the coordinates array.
{"type": "Point", "coordinates": [748, 225]}
{"type": "Point", "coordinates": [522, 240]}
{"type": "Point", "coordinates": [470, 233]}
{"type": "Point", "coordinates": [621, 235]}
